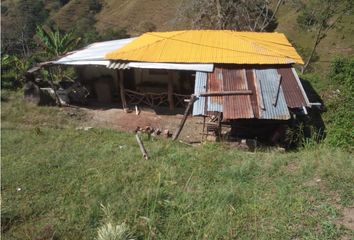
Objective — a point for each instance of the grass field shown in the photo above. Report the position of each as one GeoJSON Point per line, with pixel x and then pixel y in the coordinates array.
{"type": "Point", "coordinates": [55, 179]}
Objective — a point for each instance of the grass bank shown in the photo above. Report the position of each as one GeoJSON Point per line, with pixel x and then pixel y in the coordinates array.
{"type": "Point", "coordinates": [55, 178]}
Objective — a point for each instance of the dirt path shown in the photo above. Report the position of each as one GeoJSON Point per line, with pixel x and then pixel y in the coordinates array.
{"type": "Point", "coordinates": [116, 118]}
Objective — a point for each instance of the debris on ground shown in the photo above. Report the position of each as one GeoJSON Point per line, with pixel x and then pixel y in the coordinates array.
{"type": "Point", "coordinates": [167, 133]}
{"type": "Point", "coordinates": [83, 128]}
{"type": "Point", "coordinates": [141, 146]}
{"type": "Point", "coordinates": [137, 110]}
{"type": "Point", "coordinates": [245, 144]}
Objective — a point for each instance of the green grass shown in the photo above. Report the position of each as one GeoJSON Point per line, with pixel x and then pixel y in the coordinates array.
{"type": "Point", "coordinates": [181, 192]}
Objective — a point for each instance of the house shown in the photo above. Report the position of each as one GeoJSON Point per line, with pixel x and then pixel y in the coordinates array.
{"type": "Point", "coordinates": [244, 79]}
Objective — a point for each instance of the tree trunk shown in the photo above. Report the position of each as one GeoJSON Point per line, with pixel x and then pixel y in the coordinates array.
{"type": "Point", "coordinates": [219, 15]}
{"type": "Point", "coordinates": [269, 20]}
{"type": "Point", "coordinates": [317, 41]}
{"type": "Point", "coordinates": [52, 85]}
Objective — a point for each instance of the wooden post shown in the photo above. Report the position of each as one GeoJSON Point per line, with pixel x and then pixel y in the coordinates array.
{"type": "Point", "coordinates": [183, 121]}
{"type": "Point", "coordinates": [53, 87]}
{"type": "Point", "coordinates": [226, 93]}
{"type": "Point", "coordinates": [276, 96]}
{"type": "Point", "coordinates": [170, 91]}
{"type": "Point", "coordinates": [141, 145]}
{"type": "Point", "coordinates": [204, 118]}
{"type": "Point", "coordinates": [121, 87]}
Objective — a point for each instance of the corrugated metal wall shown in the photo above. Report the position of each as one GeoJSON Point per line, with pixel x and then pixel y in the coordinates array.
{"type": "Point", "coordinates": [200, 87]}
{"type": "Point", "coordinates": [236, 106]}
{"type": "Point", "coordinates": [268, 100]}
{"type": "Point", "coordinates": [292, 91]}
{"type": "Point", "coordinates": [269, 83]}
{"type": "Point", "coordinates": [215, 84]}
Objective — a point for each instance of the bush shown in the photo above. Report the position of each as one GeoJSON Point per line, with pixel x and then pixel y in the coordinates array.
{"type": "Point", "coordinates": [340, 114]}
{"type": "Point", "coordinates": [13, 71]}
{"type": "Point", "coordinates": [306, 19]}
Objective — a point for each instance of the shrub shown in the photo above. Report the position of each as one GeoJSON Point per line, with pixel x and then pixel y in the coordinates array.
{"type": "Point", "coordinates": [306, 19]}
{"type": "Point", "coordinates": [340, 114]}
{"type": "Point", "coordinates": [109, 230]}
{"type": "Point", "coordinates": [13, 70]}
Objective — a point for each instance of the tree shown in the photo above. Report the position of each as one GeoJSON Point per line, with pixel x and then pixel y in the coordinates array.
{"type": "Point", "coordinates": [13, 70]}
{"type": "Point", "coordinates": [241, 15]}
{"type": "Point", "coordinates": [320, 16]}
{"type": "Point", "coordinates": [54, 42]}
{"type": "Point", "coordinates": [19, 20]}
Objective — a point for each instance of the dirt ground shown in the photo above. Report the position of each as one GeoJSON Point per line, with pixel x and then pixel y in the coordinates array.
{"type": "Point", "coordinates": [348, 218]}
{"type": "Point", "coordinates": [116, 118]}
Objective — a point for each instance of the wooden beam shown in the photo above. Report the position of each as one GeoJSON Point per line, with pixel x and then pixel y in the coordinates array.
{"type": "Point", "coordinates": [121, 87]}
{"type": "Point", "coordinates": [276, 96]}
{"type": "Point", "coordinates": [51, 83]}
{"type": "Point", "coordinates": [141, 146]}
{"type": "Point", "coordinates": [225, 93]}
{"type": "Point", "coordinates": [183, 121]}
{"type": "Point", "coordinates": [170, 91]}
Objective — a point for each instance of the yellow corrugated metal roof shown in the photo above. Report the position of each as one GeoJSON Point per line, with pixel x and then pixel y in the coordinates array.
{"type": "Point", "coordinates": [209, 46]}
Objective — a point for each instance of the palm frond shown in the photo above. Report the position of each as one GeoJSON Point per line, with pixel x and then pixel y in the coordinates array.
{"type": "Point", "coordinates": [54, 42]}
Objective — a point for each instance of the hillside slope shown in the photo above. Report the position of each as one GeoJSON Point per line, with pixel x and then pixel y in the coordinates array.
{"type": "Point", "coordinates": [337, 42]}
{"type": "Point", "coordinates": [135, 14]}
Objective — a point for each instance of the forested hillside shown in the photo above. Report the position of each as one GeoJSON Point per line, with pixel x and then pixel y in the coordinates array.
{"type": "Point", "coordinates": [94, 20]}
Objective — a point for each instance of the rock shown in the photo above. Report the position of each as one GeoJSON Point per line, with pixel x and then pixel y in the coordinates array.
{"type": "Point", "coordinates": [157, 131]}
{"type": "Point", "coordinates": [137, 129]}
{"type": "Point", "coordinates": [166, 133]}
{"type": "Point", "coordinates": [281, 149]}
{"type": "Point", "coordinates": [127, 110]}
{"type": "Point", "coordinates": [147, 129]}
{"type": "Point", "coordinates": [211, 138]}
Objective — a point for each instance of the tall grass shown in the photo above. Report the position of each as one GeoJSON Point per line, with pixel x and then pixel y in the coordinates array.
{"type": "Point", "coordinates": [57, 177]}
{"type": "Point", "coordinates": [181, 193]}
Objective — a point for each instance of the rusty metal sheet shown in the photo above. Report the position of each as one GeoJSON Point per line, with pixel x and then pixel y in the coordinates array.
{"type": "Point", "coordinates": [215, 84]}
{"type": "Point", "coordinates": [267, 101]}
{"type": "Point", "coordinates": [236, 106]}
{"type": "Point", "coordinates": [251, 81]}
{"type": "Point", "coordinates": [294, 94]}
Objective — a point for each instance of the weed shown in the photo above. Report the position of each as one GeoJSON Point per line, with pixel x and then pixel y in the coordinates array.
{"type": "Point", "coordinates": [109, 230]}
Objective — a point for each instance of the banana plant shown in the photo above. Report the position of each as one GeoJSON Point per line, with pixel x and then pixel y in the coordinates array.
{"type": "Point", "coordinates": [54, 42]}
{"type": "Point", "coordinates": [16, 66]}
